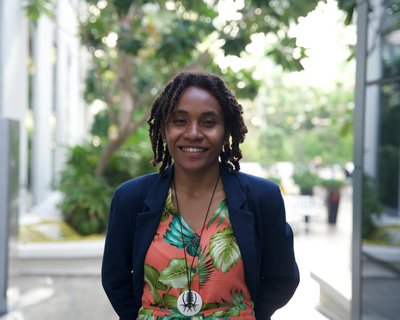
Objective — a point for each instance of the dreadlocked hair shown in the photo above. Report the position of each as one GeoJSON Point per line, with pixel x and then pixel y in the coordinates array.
{"type": "Point", "coordinates": [164, 105]}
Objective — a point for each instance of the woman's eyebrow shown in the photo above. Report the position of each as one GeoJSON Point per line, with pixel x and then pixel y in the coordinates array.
{"type": "Point", "coordinates": [179, 111]}
{"type": "Point", "coordinates": [205, 113]}
{"type": "Point", "coordinates": [210, 113]}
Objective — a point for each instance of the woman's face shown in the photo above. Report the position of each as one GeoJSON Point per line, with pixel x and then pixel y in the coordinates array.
{"type": "Point", "coordinates": [195, 132]}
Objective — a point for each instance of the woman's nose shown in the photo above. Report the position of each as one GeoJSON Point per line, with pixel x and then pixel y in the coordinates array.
{"type": "Point", "coordinates": [193, 131]}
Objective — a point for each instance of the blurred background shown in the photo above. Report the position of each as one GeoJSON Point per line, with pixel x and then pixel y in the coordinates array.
{"type": "Point", "coordinates": [320, 85]}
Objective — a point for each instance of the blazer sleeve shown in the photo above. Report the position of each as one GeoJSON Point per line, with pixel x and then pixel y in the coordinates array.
{"type": "Point", "coordinates": [117, 261]}
{"type": "Point", "coordinates": [279, 271]}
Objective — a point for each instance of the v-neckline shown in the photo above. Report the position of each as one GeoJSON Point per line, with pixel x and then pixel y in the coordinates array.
{"type": "Point", "coordinates": [180, 216]}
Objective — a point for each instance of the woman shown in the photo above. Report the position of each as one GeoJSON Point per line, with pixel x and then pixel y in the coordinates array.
{"type": "Point", "coordinates": [198, 240]}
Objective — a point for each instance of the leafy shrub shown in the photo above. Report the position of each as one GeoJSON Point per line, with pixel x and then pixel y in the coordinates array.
{"type": "Point", "coordinates": [332, 184]}
{"type": "Point", "coordinates": [85, 203]}
{"type": "Point", "coordinates": [371, 206]}
{"type": "Point", "coordinates": [86, 198]}
{"type": "Point", "coordinates": [275, 179]}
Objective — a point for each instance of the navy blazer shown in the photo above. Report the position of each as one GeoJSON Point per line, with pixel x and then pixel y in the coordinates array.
{"type": "Point", "coordinates": [257, 215]}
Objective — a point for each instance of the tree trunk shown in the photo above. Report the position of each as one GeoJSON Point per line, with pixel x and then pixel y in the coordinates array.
{"type": "Point", "coordinates": [126, 126]}
{"type": "Point", "coordinates": [110, 147]}
{"type": "Point", "coordinates": [113, 145]}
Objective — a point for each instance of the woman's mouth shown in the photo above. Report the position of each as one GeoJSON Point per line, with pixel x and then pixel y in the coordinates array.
{"type": "Point", "coordinates": [192, 149]}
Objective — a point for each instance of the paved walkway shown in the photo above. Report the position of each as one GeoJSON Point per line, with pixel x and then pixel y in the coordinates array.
{"type": "Point", "coordinates": [319, 248]}
{"type": "Point", "coordinates": [44, 288]}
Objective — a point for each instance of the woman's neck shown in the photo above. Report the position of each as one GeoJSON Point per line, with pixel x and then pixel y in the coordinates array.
{"type": "Point", "coordinates": [196, 182]}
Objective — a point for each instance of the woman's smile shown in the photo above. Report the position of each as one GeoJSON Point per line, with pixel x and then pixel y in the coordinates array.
{"type": "Point", "coordinates": [193, 149]}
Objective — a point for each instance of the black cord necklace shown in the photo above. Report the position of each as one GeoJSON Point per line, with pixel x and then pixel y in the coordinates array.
{"type": "Point", "coordinates": [189, 302]}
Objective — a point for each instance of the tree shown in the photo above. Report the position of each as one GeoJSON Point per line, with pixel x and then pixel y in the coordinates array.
{"type": "Point", "coordinates": [300, 124]}
{"type": "Point", "coordinates": [137, 45]}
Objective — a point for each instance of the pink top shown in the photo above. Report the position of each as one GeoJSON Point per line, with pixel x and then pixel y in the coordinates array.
{"type": "Point", "coordinates": [217, 273]}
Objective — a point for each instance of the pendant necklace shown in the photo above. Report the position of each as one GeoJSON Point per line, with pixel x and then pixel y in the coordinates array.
{"type": "Point", "coordinates": [189, 302]}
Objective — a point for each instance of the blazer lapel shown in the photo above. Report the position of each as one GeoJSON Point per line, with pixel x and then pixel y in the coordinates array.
{"type": "Point", "coordinates": [146, 226]}
{"type": "Point", "coordinates": [244, 228]}
{"type": "Point", "coordinates": [148, 220]}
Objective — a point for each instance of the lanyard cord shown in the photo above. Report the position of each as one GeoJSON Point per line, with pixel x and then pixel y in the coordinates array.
{"type": "Point", "coordinates": [189, 271]}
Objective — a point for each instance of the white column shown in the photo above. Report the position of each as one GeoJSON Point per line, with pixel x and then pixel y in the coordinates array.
{"type": "Point", "coordinates": [43, 56]}
{"type": "Point", "coordinates": [14, 78]}
{"type": "Point", "coordinates": [77, 74]}
{"type": "Point", "coordinates": [69, 106]}
{"type": "Point", "coordinates": [62, 99]}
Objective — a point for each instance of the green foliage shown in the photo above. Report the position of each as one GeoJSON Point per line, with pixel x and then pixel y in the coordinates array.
{"type": "Point", "coordinates": [332, 184]}
{"type": "Point", "coordinates": [282, 54]}
{"type": "Point", "coordinates": [276, 180]}
{"type": "Point", "coordinates": [35, 8]}
{"type": "Point", "coordinates": [162, 40]}
{"type": "Point", "coordinates": [181, 37]}
{"type": "Point", "coordinates": [86, 198]}
{"type": "Point", "coordinates": [301, 124]}
{"type": "Point", "coordinates": [122, 6]}
{"type": "Point", "coordinates": [349, 6]}
{"type": "Point", "coordinates": [243, 85]}
{"type": "Point", "coordinates": [306, 180]}
{"type": "Point", "coordinates": [85, 204]}
{"type": "Point", "coordinates": [136, 47]}
{"type": "Point", "coordinates": [371, 206]}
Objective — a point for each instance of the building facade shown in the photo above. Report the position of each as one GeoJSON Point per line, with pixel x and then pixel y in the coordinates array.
{"type": "Point", "coordinates": [41, 78]}
{"type": "Point", "coordinates": [376, 237]}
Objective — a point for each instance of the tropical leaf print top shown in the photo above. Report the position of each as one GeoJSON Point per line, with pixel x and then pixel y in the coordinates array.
{"type": "Point", "coordinates": [217, 272]}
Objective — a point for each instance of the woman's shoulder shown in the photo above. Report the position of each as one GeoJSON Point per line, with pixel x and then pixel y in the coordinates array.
{"type": "Point", "coordinates": [259, 190]}
{"type": "Point", "coordinates": [255, 183]}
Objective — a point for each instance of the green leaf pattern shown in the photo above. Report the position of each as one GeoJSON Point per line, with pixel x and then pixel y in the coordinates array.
{"type": "Point", "coordinates": [205, 267]}
{"type": "Point", "coordinates": [174, 275]}
{"type": "Point", "coordinates": [224, 249]}
{"type": "Point", "coordinates": [221, 212]}
{"type": "Point", "coordinates": [151, 277]}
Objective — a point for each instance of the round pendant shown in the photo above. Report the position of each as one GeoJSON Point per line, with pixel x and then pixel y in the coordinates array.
{"type": "Point", "coordinates": [189, 303]}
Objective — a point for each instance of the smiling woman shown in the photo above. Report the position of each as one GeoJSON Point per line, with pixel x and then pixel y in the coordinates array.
{"type": "Point", "coordinates": [199, 239]}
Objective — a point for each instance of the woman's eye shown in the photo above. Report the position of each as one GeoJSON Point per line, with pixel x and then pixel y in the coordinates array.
{"type": "Point", "coordinates": [209, 122]}
{"type": "Point", "coordinates": [179, 122]}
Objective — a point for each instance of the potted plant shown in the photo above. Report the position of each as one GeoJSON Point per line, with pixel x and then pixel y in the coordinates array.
{"type": "Point", "coordinates": [306, 180]}
{"type": "Point", "coordinates": [333, 188]}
